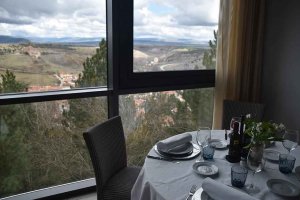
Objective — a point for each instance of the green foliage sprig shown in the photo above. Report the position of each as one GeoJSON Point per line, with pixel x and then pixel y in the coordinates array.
{"type": "Point", "coordinates": [263, 131]}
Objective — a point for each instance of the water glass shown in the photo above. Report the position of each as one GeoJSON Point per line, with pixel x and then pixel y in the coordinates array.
{"type": "Point", "coordinates": [208, 152]}
{"type": "Point", "coordinates": [286, 163]}
{"type": "Point", "coordinates": [203, 136]}
{"type": "Point", "coordinates": [238, 176]}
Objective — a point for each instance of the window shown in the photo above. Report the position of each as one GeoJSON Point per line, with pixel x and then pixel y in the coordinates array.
{"type": "Point", "coordinates": [42, 144]}
{"type": "Point", "coordinates": [171, 35]}
{"type": "Point", "coordinates": [150, 117]}
{"type": "Point", "coordinates": [56, 81]}
{"type": "Point", "coordinates": [47, 45]}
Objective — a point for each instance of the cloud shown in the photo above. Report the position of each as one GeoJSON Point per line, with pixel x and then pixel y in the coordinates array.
{"type": "Point", "coordinates": [170, 19]}
{"type": "Point", "coordinates": [14, 21]}
{"type": "Point", "coordinates": [53, 18]}
{"type": "Point", "coordinates": [167, 19]}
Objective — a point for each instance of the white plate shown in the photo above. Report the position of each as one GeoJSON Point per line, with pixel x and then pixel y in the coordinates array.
{"type": "Point", "coordinates": [205, 168]}
{"type": "Point", "coordinates": [218, 144]}
{"type": "Point", "coordinates": [271, 155]}
{"type": "Point", "coordinates": [196, 152]}
{"type": "Point", "coordinates": [201, 195]}
{"type": "Point", "coordinates": [283, 188]}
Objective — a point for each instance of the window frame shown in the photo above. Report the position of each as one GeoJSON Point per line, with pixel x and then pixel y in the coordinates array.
{"type": "Point", "coordinates": [121, 80]}
{"type": "Point", "coordinates": [129, 79]}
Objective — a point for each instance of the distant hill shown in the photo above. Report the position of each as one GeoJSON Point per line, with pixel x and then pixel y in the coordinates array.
{"type": "Point", "coordinates": [94, 41]}
{"type": "Point", "coordinates": [66, 40]}
{"type": "Point", "coordinates": [12, 40]}
{"type": "Point", "coordinates": [179, 42]}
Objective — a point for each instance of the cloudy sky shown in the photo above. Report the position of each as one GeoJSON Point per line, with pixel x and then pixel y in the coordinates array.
{"type": "Point", "coordinates": [162, 19]}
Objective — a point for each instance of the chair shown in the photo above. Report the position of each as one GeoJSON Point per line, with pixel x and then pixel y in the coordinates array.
{"type": "Point", "coordinates": [106, 145]}
{"type": "Point", "coordinates": [237, 108]}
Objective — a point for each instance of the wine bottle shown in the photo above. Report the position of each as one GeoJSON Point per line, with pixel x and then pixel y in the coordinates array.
{"type": "Point", "coordinates": [234, 152]}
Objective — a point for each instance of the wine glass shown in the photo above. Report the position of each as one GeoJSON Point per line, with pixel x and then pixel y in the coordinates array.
{"type": "Point", "coordinates": [255, 163]}
{"type": "Point", "coordinates": [202, 138]}
{"type": "Point", "coordinates": [233, 120]}
{"type": "Point", "coordinates": [290, 139]}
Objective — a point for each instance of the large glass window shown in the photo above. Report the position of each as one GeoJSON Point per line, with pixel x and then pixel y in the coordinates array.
{"type": "Point", "coordinates": [150, 117]}
{"type": "Point", "coordinates": [54, 56]}
{"type": "Point", "coordinates": [41, 144]}
{"type": "Point", "coordinates": [173, 35]}
{"type": "Point", "coordinates": [53, 45]}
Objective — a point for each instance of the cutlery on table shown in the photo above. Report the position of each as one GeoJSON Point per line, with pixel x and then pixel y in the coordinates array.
{"type": "Point", "coordinates": [159, 158]}
{"type": "Point", "coordinates": [191, 192]}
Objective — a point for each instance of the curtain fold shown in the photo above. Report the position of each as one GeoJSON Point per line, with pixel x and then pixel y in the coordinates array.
{"type": "Point", "coordinates": [239, 53]}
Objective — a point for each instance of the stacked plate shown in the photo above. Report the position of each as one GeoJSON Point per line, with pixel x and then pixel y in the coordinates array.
{"type": "Point", "coordinates": [185, 151]}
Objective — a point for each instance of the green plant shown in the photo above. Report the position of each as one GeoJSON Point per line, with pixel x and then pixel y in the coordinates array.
{"type": "Point", "coordinates": [263, 131]}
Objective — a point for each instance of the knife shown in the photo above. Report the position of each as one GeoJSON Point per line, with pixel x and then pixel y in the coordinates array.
{"type": "Point", "coordinates": [159, 158]}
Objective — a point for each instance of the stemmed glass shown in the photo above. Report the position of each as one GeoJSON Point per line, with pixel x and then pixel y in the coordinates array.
{"type": "Point", "coordinates": [290, 139]}
{"type": "Point", "coordinates": [255, 163]}
{"type": "Point", "coordinates": [234, 119]}
{"type": "Point", "coordinates": [202, 138]}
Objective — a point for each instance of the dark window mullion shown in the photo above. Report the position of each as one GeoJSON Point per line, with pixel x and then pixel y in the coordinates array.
{"type": "Point", "coordinates": [19, 98]}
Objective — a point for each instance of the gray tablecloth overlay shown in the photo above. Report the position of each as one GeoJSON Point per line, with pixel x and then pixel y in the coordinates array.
{"type": "Point", "coordinates": [164, 180]}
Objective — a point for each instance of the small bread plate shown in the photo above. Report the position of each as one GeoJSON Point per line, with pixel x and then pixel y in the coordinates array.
{"type": "Point", "coordinates": [283, 188]}
{"type": "Point", "coordinates": [200, 194]}
{"type": "Point", "coordinates": [218, 144]}
{"type": "Point", "coordinates": [205, 168]}
{"type": "Point", "coordinates": [271, 155]}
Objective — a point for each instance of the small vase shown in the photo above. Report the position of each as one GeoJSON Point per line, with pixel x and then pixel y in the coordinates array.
{"type": "Point", "coordinates": [255, 163]}
{"type": "Point", "coordinates": [255, 156]}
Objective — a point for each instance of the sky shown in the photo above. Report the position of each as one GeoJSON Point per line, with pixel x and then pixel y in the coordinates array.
{"type": "Point", "coordinates": [168, 20]}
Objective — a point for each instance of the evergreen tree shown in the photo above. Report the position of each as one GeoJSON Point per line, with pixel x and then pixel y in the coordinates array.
{"type": "Point", "coordinates": [10, 84]}
{"type": "Point", "coordinates": [15, 130]}
{"type": "Point", "coordinates": [209, 57]}
{"type": "Point", "coordinates": [95, 68]}
{"type": "Point", "coordinates": [86, 112]}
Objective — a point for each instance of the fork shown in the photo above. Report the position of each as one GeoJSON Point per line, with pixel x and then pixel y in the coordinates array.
{"type": "Point", "coordinates": [191, 192]}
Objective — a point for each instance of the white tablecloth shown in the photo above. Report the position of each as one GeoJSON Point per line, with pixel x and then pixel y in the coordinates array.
{"type": "Point", "coordinates": [164, 180]}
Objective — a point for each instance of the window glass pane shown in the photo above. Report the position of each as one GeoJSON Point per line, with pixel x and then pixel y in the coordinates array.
{"type": "Point", "coordinates": [174, 35]}
{"type": "Point", "coordinates": [150, 117]}
{"type": "Point", "coordinates": [41, 144]}
{"type": "Point", "coordinates": [53, 45]}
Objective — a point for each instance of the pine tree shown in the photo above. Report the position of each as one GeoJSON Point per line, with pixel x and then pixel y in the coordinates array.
{"type": "Point", "coordinates": [95, 68]}
{"type": "Point", "coordinates": [209, 57]}
{"type": "Point", "coordinates": [15, 130]}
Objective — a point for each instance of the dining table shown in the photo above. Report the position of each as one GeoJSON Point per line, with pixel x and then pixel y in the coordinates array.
{"type": "Point", "coordinates": [173, 179]}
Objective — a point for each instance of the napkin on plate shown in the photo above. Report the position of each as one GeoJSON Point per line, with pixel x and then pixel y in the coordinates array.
{"type": "Point", "coordinates": [219, 191]}
{"type": "Point", "coordinates": [174, 141]}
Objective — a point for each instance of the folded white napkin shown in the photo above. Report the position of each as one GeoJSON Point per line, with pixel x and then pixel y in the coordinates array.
{"type": "Point", "coordinates": [174, 141]}
{"type": "Point", "coordinates": [219, 191]}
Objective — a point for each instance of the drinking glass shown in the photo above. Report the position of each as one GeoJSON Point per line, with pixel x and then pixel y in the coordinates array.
{"type": "Point", "coordinates": [290, 139]}
{"type": "Point", "coordinates": [203, 136]}
{"type": "Point", "coordinates": [255, 163]}
{"type": "Point", "coordinates": [238, 176]}
{"type": "Point", "coordinates": [286, 163]}
{"type": "Point", "coordinates": [208, 152]}
{"type": "Point", "coordinates": [234, 119]}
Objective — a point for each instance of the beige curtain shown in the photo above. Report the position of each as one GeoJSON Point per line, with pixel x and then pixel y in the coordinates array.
{"type": "Point", "coordinates": [239, 53]}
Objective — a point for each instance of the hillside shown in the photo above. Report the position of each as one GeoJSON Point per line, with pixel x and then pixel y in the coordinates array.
{"type": "Point", "coordinates": [12, 40]}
